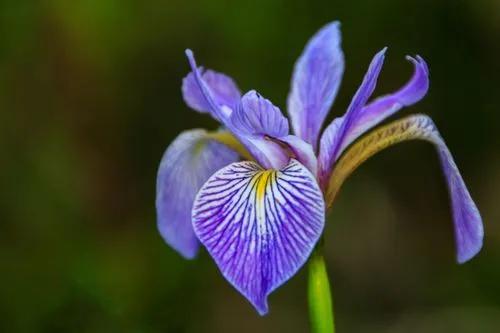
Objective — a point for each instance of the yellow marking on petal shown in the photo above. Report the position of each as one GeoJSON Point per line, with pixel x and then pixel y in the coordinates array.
{"type": "Point", "coordinates": [263, 179]}
{"type": "Point", "coordinates": [229, 140]}
{"type": "Point", "coordinates": [418, 127]}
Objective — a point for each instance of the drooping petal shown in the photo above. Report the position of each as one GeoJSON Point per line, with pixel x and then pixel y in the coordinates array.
{"type": "Point", "coordinates": [260, 226]}
{"type": "Point", "coordinates": [315, 82]}
{"type": "Point", "coordinates": [335, 133]}
{"type": "Point", "coordinates": [187, 163]}
{"type": "Point", "coordinates": [223, 88]}
{"type": "Point", "coordinates": [251, 130]}
{"type": "Point", "coordinates": [467, 220]}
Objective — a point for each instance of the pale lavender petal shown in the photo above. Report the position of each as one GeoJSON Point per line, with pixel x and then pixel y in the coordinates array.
{"type": "Point", "coordinates": [223, 88]}
{"type": "Point", "coordinates": [315, 82]}
{"type": "Point", "coordinates": [260, 226]}
{"type": "Point", "coordinates": [335, 133]}
{"type": "Point", "coordinates": [187, 163]}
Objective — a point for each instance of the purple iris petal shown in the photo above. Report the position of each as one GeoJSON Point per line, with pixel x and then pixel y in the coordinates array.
{"type": "Point", "coordinates": [385, 106]}
{"type": "Point", "coordinates": [258, 116]}
{"type": "Point", "coordinates": [260, 226]}
{"type": "Point", "coordinates": [467, 220]}
{"type": "Point", "coordinates": [224, 90]}
{"type": "Point", "coordinates": [335, 133]}
{"type": "Point", "coordinates": [469, 231]}
{"type": "Point", "coordinates": [468, 224]}
{"type": "Point", "coordinates": [219, 112]}
{"type": "Point", "coordinates": [315, 82]}
{"type": "Point", "coordinates": [253, 119]}
{"type": "Point", "coordinates": [187, 163]}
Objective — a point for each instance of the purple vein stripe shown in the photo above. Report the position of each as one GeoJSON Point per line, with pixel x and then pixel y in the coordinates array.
{"type": "Point", "coordinates": [261, 230]}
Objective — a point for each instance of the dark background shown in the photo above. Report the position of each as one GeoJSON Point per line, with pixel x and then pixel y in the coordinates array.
{"type": "Point", "coordinates": [90, 98]}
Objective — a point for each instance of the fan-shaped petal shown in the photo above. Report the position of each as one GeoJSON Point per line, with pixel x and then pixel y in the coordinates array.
{"type": "Point", "coordinates": [260, 226]}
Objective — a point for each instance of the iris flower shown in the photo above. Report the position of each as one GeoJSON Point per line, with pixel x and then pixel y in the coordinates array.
{"type": "Point", "coordinates": [255, 192]}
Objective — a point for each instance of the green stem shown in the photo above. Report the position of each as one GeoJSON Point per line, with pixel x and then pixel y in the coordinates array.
{"type": "Point", "coordinates": [320, 300]}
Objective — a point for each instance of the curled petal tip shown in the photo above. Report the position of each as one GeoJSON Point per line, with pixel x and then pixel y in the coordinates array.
{"type": "Point", "coordinates": [418, 61]}
{"type": "Point", "coordinates": [423, 64]}
{"type": "Point", "coordinates": [414, 59]}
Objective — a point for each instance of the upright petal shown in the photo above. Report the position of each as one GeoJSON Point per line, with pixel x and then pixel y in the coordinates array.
{"type": "Point", "coordinates": [223, 88]}
{"type": "Point", "coordinates": [467, 220]}
{"type": "Point", "coordinates": [315, 82]}
{"type": "Point", "coordinates": [250, 129]}
{"type": "Point", "coordinates": [372, 114]}
{"type": "Point", "coordinates": [335, 133]}
{"type": "Point", "coordinates": [187, 163]}
{"type": "Point", "coordinates": [260, 226]}
{"type": "Point", "coordinates": [381, 108]}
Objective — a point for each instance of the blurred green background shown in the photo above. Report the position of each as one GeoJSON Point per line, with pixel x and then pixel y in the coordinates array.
{"type": "Point", "coordinates": [90, 98]}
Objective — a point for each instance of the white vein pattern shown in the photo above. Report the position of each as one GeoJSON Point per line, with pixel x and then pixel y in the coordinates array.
{"type": "Point", "coordinates": [260, 226]}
